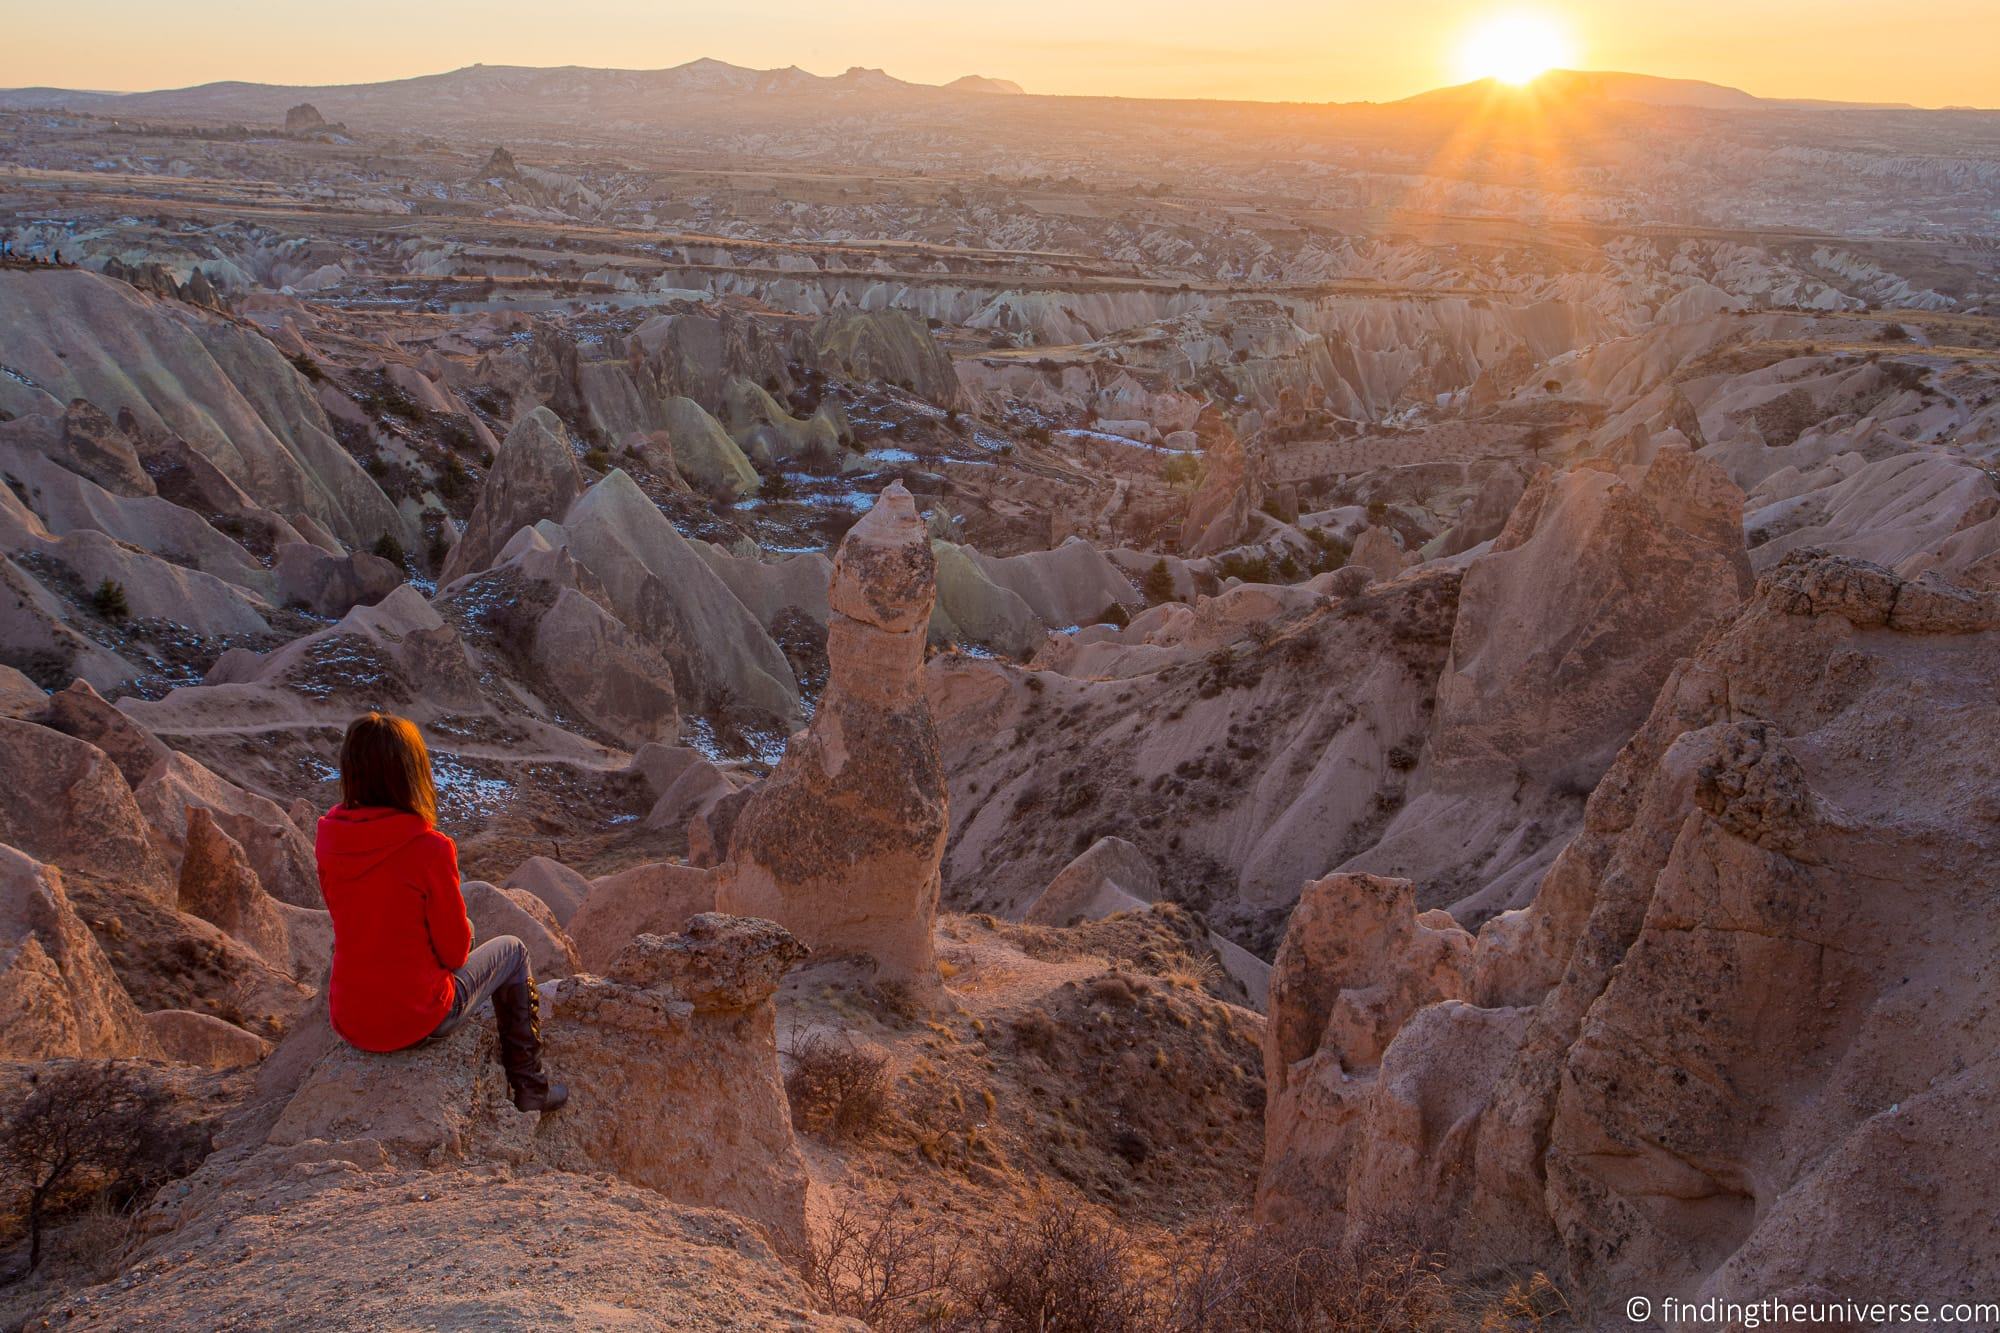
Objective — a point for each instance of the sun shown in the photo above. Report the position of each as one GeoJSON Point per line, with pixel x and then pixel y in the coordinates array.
{"type": "Point", "coordinates": [1514, 48]}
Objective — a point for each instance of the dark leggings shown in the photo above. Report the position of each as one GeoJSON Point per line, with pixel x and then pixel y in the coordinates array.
{"type": "Point", "coordinates": [501, 961]}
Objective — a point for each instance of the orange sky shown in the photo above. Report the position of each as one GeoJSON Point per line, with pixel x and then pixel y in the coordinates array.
{"type": "Point", "coordinates": [1941, 52]}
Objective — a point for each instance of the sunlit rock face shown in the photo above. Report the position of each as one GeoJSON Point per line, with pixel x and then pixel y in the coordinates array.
{"type": "Point", "coordinates": [842, 843]}
{"type": "Point", "coordinates": [1737, 1045]}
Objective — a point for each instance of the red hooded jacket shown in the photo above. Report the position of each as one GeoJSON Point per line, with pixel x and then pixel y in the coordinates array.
{"type": "Point", "coordinates": [399, 927]}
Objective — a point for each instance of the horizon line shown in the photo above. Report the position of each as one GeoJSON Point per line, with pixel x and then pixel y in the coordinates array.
{"type": "Point", "coordinates": [1830, 102]}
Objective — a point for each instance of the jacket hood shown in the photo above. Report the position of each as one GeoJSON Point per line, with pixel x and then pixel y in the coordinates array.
{"type": "Point", "coordinates": [358, 838]}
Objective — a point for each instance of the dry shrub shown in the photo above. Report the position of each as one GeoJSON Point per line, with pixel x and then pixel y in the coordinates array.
{"type": "Point", "coordinates": [1062, 1270]}
{"type": "Point", "coordinates": [836, 1089]}
{"type": "Point", "coordinates": [1059, 1272]}
{"type": "Point", "coordinates": [885, 1263]}
{"type": "Point", "coordinates": [1237, 1279]}
{"type": "Point", "coordinates": [1036, 1031]}
{"type": "Point", "coordinates": [85, 1131]}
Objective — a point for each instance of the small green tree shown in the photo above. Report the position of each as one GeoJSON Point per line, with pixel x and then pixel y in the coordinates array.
{"type": "Point", "coordinates": [1158, 585]}
{"type": "Point", "coordinates": [389, 548]}
{"type": "Point", "coordinates": [109, 600]}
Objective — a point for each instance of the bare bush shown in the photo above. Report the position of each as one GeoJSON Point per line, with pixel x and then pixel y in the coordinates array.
{"type": "Point", "coordinates": [836, 1089]}
{"type": "Point", "coordinates": [1236, 1279]}
{"type": "Point", "coordinates": [1059, 1272]}
{"type": "Point", "coordinates": [884, 1263]}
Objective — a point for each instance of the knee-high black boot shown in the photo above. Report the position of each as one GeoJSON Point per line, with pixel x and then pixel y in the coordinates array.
{"type": "Point", "coordinates": [517, 1012]}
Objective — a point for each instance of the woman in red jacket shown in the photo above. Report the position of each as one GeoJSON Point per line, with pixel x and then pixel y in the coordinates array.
{"type": "Point", "coordinates": [404, 969]}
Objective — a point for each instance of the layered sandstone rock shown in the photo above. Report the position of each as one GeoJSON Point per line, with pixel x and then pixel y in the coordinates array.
{"type": "Point", "coordinates": [535, 476]}
{"type": "Point", "coordinates": [842, 843]}
{"type": "Point", "coordinates": [58, 994]}
{"type": "Point", "coordinates": [218, 884]}
{"type": "Point", "coordinates": [1111, 875]}
{"type": "Point", "coordinates": [1738, 1044]}
{"type": "Point", "coordinates": [66, 803]}
{"type": "Point", "coordinates": [1564, 633]}
{"type": "Point", "coordinates": [658, 898]}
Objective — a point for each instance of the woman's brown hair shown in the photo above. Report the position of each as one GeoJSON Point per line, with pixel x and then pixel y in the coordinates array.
{"type": "Point", "coordinates": [383, 763]}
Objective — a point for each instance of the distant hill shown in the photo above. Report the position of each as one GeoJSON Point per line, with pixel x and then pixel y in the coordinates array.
{"type": "Point", "coordinates": [500, 97]}
{"type": "Point", "coordinates": [1611, 86]}
{"type": "Point", "coordinates": [480, 91]}
{"type": "Point", "coordinates": [976, 83]}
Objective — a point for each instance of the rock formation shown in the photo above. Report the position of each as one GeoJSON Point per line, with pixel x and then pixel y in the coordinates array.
{"type": "Point", "coordinates": [842, 843]}
{"type": "Point", "coordinates": [677, 1107]}
{"type": "Point", "coordinates": [218, 885]}
{"type": "Point", "coordinates": [535, 476]}
{"type": "Point", "coordinates": [1757, 967]}
{"type": "Point", "coordinates": [1565, 631]}
{"type": "Point", "coordinates": [58, 994]}
{"type": "Point", "coordinates": [888, 345]}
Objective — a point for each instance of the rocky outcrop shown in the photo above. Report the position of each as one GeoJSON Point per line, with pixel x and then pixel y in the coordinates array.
{"type": "Point", "coordinates": [218, 385]}
{"type": "Point", "coordinates": [82, 712]}
{"type": "Point", "coordinates": [218, 885]}
{"type": "Point", "coordinates": [658, 898]}
{"type": "Point", "coordinates": [609, 675]}
{"type": "Point", "coordinates": [672, 1062]}
{"type": "Point", "coordinates": [1736, 1043]}
{"type": "Point", "coordinates": [891, 346]}
{"type": "Point", "coordinates": [535, 476]}
{"type": "Point", "coordinates": [1357, 962]}
{"type": "Point", "coordinates": [656, 583]}
{"type": "Point", "coordinates": [705, 1122]}
{"type": "Point", "coordinates": [332, 585]}
{"type": "Point", "coordinates": [1564, 634]}
{"type": "Point", "coordinates": [561, 889]}
{"type": "Point", "coordinates": [706, 457]}
{"type": "Point", "coordinates": [189, 1038]}
{"type": "Point", "coordinates": [1111, 875]}
{"type": "Point", "coordinates": [66, 803]}
{"type": "Point", "coordinates": [517, 912]}
{"type": "Point", "coordinates": [663, 1192]}
{"type": "Point", "coordinates": [842, 843]}
{"type": "Point", "coordinates": [279, 851]}
{"type": "Point", "coordinates": [58, 994]}
{"type": "Point", "coordinates": [1219, 512]}
{"type": "Point", "coordinates": [1375, 550]}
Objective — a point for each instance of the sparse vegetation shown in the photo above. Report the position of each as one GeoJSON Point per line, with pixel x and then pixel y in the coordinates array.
{"type": "Point", "coordinates": [84, 1131]}
{"type": "Point", "coordinates": [835, 1088]}
{"type": "Point", "coordinates": [109, 601]}
{"type": "Point", "coordinates": [885, 1263]}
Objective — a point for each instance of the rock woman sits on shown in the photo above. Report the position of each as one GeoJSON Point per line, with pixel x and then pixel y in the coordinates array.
{"type": "Point", "coordinates": [404, 969]}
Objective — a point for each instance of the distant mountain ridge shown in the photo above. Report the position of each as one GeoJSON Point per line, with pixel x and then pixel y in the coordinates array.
{"type": "Point", "coordinates": [1647, 89]}
{"type": "Point", "coordinates": [499, 89]}
{"type": "Point", "coordinates": [513, 94]}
